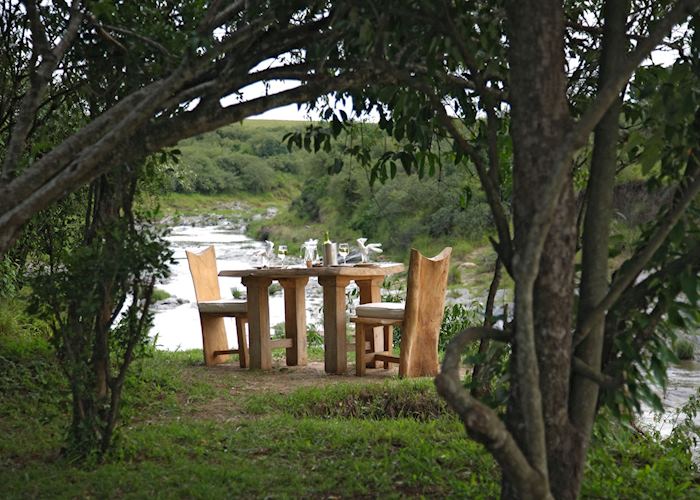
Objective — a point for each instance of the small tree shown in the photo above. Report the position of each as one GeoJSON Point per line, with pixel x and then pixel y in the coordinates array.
{"type": "Point", "coordinates": [95, 290]}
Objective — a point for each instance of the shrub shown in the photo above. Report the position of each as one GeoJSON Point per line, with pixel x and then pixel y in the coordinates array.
{"type": "Point", "coordinates": [160, 294]}
{"type": "Point", "coordinates": [684, 349]}
{"type": "Point", "coordinates": [9, 275]}
{"type": "Point", "coordinates": [306, 205]}
{"type": "Point", "coordinates": [313, 337]}
{"type": "Point", "coordinates": [275, 288]}
{"type": "Point", "coordinates": [278, 331]}
{"type": "Point", "coordinates": [257, 178]}
{"type": "Point", "coordinates": [458, 317]}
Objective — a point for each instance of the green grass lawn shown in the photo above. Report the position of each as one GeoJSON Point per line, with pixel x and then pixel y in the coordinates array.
{"type": "Point", "coordinates": [194, 432]}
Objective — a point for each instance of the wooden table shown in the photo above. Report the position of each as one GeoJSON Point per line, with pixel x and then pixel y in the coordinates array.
{"type": "Point", "coordinates": [333, 279]}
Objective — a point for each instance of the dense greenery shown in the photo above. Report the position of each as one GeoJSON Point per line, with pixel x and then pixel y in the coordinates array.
{"type": "Point", "coordinates": [251, 158]}
{"type": "Point", "coordinates": [510, 90]}
{"type": "Point", "coordinates": [199, 432]}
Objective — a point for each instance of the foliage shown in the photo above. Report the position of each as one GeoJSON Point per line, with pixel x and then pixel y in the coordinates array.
{"type": "Point", "coordinates": [624, 462]}
{"type": "Point", "coordinates": [313, 337]}
{"type": "Point", "coordinates": [684, 349]}
{"type": "Point", "coordinates": [9, 276]}
{"type": "Point", "coordinates": [93, 283]}
{"type": "Point", "coordinates": [456, 84]}
{"type": "Point", "coordinates": [456, 318]}
{"type": "Point", "coordinates": [395, 213]}
{"type": "Point", "coordinates": [160, 294]}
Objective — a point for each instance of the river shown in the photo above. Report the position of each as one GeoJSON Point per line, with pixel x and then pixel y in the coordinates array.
{"type": "Point", "coordinates": [176, 321]}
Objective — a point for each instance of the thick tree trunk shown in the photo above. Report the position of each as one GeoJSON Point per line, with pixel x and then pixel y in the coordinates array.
{"type": "Point", "coordinates": [596, 229]}
{"type": "Point", "coordinates": [543, 306]}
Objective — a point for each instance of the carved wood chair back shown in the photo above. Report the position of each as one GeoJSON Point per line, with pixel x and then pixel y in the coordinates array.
{"type": "Point", "coordinates": [204, 274]}
{"type": "Point", "coordinates": [425, 302]}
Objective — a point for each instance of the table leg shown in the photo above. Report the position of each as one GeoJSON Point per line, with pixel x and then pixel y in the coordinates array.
{"type": "Point", "coordinates": [259, 350]}
{"type": "Point", "coordinates": [295, 318]}
{"type": "Point", "coordinates": [334, 334]}
{"type": "Point", "coordinates": [370, 291]}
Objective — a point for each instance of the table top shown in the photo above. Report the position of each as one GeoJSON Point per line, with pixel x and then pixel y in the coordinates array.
{"type": "Point", "coordinates": [353, 270]}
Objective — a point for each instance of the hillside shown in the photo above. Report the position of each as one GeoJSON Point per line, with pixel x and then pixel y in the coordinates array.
{"type": "Point", "coordinates": [249, 163]}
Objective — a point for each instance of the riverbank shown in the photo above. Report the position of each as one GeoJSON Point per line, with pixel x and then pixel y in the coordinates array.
{"type": "Point", "coordinates": [268, 216]}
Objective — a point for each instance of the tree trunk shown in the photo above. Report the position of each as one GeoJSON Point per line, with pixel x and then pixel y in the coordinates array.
{"type": "Point", "coordinates": [596, 229]}
{"type": "Point", "coordinates": [540, 120]}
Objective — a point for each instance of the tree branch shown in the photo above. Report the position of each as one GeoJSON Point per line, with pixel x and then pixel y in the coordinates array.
{"type": "Point", "coordinates": [542, 218]}
{"type": "Point", "coordinates": [39, 81]}
{"type": "Point", "coordinates": [578, 136]}
{"type": "Point", "coordinates": [505, 244]}
{"type": "Point", "coordinates": [480, 421]}
{"type": "Point", "coordinates": [92, 152]}
{"type": "Point", "coordinates": [582, 368]}
{"type": "Point", "coordinates": [631, 269]}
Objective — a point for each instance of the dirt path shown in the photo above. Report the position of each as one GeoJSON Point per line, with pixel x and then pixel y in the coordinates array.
{"type": "Point", "coordinates": [231, 386]}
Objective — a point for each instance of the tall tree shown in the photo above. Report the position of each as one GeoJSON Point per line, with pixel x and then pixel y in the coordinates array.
{"type": "Point", "coordinates": [534, 71]}
{"type": "Point", "coordinates": [538, 78]}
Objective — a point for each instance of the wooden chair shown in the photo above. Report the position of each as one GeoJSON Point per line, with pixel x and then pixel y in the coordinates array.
{"type": "Point", "coordinates": [213, 309]}
{"type": "Point", "coordinates": [420, 319]}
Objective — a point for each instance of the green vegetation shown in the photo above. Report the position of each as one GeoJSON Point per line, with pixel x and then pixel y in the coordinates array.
{"type": "Point", "coordinates": [160, 294]}
{"type": "Point", "coordinates": [198, 432]}
{"type": "Point", "coordinates": [684, 349]}
{"type": "Point", "coordinates": [214, 175]}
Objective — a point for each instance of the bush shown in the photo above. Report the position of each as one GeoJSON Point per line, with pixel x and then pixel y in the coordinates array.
{"type": "Point", "coordinates": [258, 178]}
{"type": "Point", "coordinates": [458, 317]}
{"type": "Point", "coordinates": [19, 330]}
{"type": "Point", "coordinates": [684, 349]}
{"type": "Point", "coordinates": [159, 294]}
{"type": "Point", "coordinates": [306, 205]}
{"type": "Point", "coordinates": [9, 276]}
{"type": "Point", "coordinates": [313, 337]}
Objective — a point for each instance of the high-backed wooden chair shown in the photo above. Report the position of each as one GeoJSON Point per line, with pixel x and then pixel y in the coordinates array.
{"type": "Point", "coordinates": [213, 309]}
{"type": "Point", "coordinates": [420, 318]}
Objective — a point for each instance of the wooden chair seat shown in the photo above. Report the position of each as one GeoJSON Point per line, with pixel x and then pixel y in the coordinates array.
{"type": "Point", "coordinates": [223, 306]}
{"type": "Point", "coordinates": [212, 310]}
{"type": "Point", "coordinates": [381, 310]}
{"type": "Point", "coordinates": [420, 319]}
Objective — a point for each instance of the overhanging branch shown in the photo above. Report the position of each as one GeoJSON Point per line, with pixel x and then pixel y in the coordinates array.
{"type": "Point", "coordinates": [480, 421]}
{"type": "Point", "coordinates": [636, 264]}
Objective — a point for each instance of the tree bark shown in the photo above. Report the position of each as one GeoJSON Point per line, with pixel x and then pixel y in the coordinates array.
{"type": "Point", "coordinates": [596, 230]}
{"type": "Point", "coordinates": [480, 378]}
{"type": "Point", "coordinates": [543, 271]}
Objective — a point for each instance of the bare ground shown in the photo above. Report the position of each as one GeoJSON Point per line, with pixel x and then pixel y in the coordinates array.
{"type": "Point", "coordinates": [232, 385]}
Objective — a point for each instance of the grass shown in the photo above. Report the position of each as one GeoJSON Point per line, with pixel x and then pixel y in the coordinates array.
{"type": "Point", "coordinates": [193, 432]}
{"type": "Point", "coordinates": [239, 204]}
{"type": "Point", "coordinates": [160, 294]}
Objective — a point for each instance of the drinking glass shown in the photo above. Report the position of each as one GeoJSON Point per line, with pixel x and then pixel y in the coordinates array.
{"type": "Point", "coordinates": [282, 253]}
{"type": "Point", "coordinates": [343, 251]}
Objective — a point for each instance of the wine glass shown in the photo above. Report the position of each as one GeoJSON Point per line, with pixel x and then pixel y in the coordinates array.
{"type": "Point", "coordinates": [281, 252]}
{"type": "Point", "coordinates": [343, 251]}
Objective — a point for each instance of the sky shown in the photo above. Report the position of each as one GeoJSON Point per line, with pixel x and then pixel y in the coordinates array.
{"type": "Point", "coordinates": [290, 112]}
{"type": "Point", "coordinates": [293, 112]}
